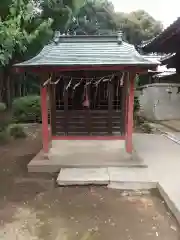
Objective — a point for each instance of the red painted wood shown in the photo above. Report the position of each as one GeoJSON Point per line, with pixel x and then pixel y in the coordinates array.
{"type": "Point", "coordinates": [84, 68]}
{"type": "Point", "coordinates": [126, 115]}
{"type": "Point", "coordinates": [126, 102]}
{"type": "Point", "coordinates": [44, 112]}
{"type": "Point", "coordinates": [129, 146]}
{"type": "Point", "coordinates": [88, 137]}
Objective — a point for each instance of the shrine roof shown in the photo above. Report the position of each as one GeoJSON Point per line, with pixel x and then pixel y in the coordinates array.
{"type": "Point", "coordinates": [165, 42]}
{"type": "Point", "coordinates": [70, 50]}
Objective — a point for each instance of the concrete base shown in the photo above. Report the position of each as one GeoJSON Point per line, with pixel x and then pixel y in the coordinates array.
{"type": "Point", "coordinates": [85, 154]}
{"type": "Point", "coordinates": [89, 153]}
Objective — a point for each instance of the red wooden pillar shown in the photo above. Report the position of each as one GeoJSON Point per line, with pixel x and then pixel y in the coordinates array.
{"type": "Point", "coordinates": [44, 112]}
{"type": "Point", "coordinates": [126, 102]}
{"type": "Point", "coordinates": [130, 110]}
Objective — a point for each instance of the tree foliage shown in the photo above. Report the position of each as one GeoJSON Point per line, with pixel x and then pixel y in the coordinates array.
{"type": "Point", "coordinates": [23, 28]}
{"type": "Point", "coordinates": [99, 17]}
{"type": "Point", "coordinates": [95, 17]}
{"type": "Point", "coordinates": [15, 32]}
{"type": "Point", "coordinates": [27, 25]}
{"type": "Point", "coordinates": [138, 26]}
{"type": "Point", "coordinates": [63, 12]}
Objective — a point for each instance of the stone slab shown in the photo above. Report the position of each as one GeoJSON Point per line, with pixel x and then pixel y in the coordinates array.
{"type": "Point", "coordinates": [130, 179]}
{"type": "Point", "coordinates": [132, 185]}
{"type": "Point", "coordinates": [83, 176]}
{"type": "Point", "coordinates": [129, 174]}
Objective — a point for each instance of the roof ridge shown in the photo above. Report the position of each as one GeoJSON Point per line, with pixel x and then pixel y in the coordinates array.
{"type": "Point", "coordinates": [114, 37]}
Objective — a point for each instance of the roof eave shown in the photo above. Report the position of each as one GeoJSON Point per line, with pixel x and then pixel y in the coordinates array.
{"type": "Point", "coordinates": [153, 45]}
{"type": "Point", "coordinates": [58, 68]}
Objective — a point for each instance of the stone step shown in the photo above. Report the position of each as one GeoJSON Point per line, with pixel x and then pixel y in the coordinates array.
{"type": "Point", "coordinates": [83, 176]}
{"type": "Point", "coordinates": [119, 178]}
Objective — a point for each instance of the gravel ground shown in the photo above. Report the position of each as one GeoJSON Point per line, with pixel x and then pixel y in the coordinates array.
{"type": "Point", "coordinates": [32, 208]}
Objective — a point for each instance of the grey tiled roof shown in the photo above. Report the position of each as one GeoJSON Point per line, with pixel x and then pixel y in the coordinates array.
{"type": "Point", "coordinates": [153, 58]}
{"type": "Point", "coordinates": [165, 74]}
{"type": "Point", "coordinates": [88, 50]}
{"type": "Point", "coordinates": [156, 43]}
{"type": "Point", "coordinates": [168, 57]}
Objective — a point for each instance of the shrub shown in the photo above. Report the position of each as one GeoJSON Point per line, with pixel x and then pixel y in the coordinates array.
{"type": "Point", "coordinates": [2, 107]}
{"type": "Point", "coordinates": [4, 136]}
{"type": "Point", "coordinates": [139, 119]}
{"type": "Point", "coordinates": [146, 128]}
{"type": "Point", "coordinates": [27, 109]}
{"type": "Point", "coordinates": [17, 131]}
{"type": "Point", "coordinates": [136, 104]}
{"type": "Point", "coordinates": [3, 125]}
{"type": "Point", "coordinates": [3, 117]}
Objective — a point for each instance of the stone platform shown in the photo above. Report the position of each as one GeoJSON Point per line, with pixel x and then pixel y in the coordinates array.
{"type": "Point", "coordinates": [85, 154]}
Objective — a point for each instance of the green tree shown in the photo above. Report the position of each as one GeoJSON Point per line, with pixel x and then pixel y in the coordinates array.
{"type": "Point", "coordinates": [25, 27]}
{"type": "Point", "coordinates": [19, 28]}
{"type": "Point", "coordinates": [95, 17]}
{"type": "Point", "coordinates": [63, 12]}
{"type": "Point", "coordinates": [138, 26]}
{"type": "Point", "coordinates": [99, 17]}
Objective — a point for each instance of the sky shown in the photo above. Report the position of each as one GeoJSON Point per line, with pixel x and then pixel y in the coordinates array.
{"type": "Point", "coordinates": [166, 12]}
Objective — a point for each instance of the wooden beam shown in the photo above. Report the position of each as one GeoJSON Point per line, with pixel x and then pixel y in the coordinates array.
{"type": "Point", "coordinates": [44, 112]}
{"type": "Point", "coordinates": [129, 146]}
{"type": "Point", "coordinates": [88, 138]}
{"type": "Point", "coordinates": [138, 69]}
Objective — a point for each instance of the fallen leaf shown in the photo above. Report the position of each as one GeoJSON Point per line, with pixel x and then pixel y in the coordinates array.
{"type": "Point", "coordinates": [173, 228]}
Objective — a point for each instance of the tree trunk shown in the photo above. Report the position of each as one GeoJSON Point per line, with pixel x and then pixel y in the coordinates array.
{"type": "Point", "coordinates": [6, 87]}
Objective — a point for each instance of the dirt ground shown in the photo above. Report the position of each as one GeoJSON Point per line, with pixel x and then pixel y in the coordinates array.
{"type": "Point", "coordinates": [33, 208]}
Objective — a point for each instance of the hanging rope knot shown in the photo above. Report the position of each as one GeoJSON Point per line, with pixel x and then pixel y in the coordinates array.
{"type": "Point", "coordinates": [86, 102]}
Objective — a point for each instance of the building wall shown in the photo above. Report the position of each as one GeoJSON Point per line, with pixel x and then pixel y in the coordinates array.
{"type": "Point", "coordinates": [160, 101]}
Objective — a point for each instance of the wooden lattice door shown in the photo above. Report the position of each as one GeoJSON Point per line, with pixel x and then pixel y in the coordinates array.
{"type": "Point", "coordinates": [90, 110]}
